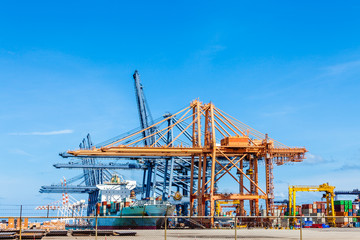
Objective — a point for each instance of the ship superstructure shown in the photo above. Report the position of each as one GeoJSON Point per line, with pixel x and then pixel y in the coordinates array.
{"type": "Point", "coordinates": [117, 199]}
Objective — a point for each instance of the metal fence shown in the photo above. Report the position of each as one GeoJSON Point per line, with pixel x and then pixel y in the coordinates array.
{"type": "Point", "coordinates": [177, 227]}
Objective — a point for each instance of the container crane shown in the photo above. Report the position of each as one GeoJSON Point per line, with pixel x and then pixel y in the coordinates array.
{"type": "Point", "coordinates": [145, 121]}
{"type": "Point", "coordinates": [224, 144]}
{"type": "Point", "coordinates": [355, 192]}
{"type": "Point", "coordinates": [171, 171]}
{"type": "Point", "coordinates": [329, 196]}
{"type": "Point", "coordinates": [94, 172]}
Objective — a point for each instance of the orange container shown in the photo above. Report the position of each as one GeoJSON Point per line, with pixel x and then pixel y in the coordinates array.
{"type": "Point", "coordinates": [235, 141]}
{"type": "Point", "coordinates": [341, 214]}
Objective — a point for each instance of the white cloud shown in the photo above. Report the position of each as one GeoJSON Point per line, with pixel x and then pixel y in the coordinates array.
{"type": "Point", "coordinates": [279, 195]}
{"type": "Point", "coordinates": [20, 152]}
{"type": "Point", "coordinates": [349, 167]}
{"type": "Point", "coordinates": [65, 131]}
{"type": "Point", "coordinates": [312, 159]}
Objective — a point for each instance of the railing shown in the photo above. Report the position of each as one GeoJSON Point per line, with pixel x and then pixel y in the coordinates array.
{"type": "Point", "coordinates": [179, 227]}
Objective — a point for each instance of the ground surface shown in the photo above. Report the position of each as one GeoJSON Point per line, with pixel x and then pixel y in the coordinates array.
{"type": "Point", "coordinates": [242, 234]}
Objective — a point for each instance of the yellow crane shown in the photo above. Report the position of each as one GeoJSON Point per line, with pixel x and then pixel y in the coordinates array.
{"type": "Point", "coordinates": [234, 203]}
{"type": "Point", "coordinates": [329, 196]}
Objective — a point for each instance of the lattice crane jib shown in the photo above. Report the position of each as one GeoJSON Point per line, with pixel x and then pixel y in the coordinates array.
{"type": "Point", "coordinates": [220, 145]}
{"type": "Point", "coordinates": [144, 113]}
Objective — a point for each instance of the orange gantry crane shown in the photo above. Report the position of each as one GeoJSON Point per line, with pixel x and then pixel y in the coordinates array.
{"type": "Point", "coordinates": [220, 146]}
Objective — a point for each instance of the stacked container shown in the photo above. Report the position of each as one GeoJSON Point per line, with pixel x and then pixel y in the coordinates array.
{"type": "Point", "coordinates": [343, 209]}
{"type": "Point", "coordinates": [307, 209]}
{"type": "Point", "coordinates": [320, 207]}
{"type": "Point", "coordinates": [356, 212]}
{"type": "Point", "coordinates": [315, 212]}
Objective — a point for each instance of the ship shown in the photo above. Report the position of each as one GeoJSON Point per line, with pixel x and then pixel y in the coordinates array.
{"type": "Point", "coordinates": [117, 204]}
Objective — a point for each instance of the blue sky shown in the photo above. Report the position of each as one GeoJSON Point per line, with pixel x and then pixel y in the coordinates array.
{"type": "Point", "coordinates": [289, 69]}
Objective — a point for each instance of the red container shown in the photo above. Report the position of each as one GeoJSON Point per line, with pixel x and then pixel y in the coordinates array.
{"type": "Point", "coordinates": [317, 226]}
{"type": "Point", "coordinates": [307, 206]}
{"type": "Point", "coordinates": [104, 203]}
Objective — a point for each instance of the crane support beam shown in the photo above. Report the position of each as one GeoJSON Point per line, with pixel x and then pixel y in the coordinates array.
{"type": "Point", "coordinates": [69, 189]}
{"type": "Point", "coordinates": [99, 166]}
{"type": "Point", "coordinates": [294, 156]}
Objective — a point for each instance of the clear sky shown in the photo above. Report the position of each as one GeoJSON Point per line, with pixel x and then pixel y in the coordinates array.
{"type": "Point", "coordinates": [290, 69]}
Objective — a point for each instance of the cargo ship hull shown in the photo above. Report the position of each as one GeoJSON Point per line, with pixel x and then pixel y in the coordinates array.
{"type": "Point", "coordinates": [115, 220]}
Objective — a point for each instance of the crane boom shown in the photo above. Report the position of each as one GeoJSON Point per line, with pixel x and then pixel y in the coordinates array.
{"type": "Point", "coordinates": [144, 112]}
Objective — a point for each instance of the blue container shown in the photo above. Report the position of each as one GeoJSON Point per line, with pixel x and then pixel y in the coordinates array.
{"type": "Point", "coordinates": [308, 223]}
{"type": "Point", "coordinates": [350, 214]}
{"type": "Point", "coordinates": [318, 210]}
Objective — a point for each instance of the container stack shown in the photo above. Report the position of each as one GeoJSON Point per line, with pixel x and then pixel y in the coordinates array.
{"type": "Point", "coordinates": [109, 208]}
{"type": "Point", "coordinates": [53, 225]}
{"type": "Point", "coordinates": [343, 209]}
{"type": "Point", "coordinates": [320, 207]}
{"type": "Point", "coordinates": [280, 210]}
{"type": "Point", "coordinates": [307, 209]}
{"type": "Point", "coordinates": [298, 211]}
{"type": "Point", "coordinates": [315, 212]}
{"type": "Point", "coordinates": [356, 212]}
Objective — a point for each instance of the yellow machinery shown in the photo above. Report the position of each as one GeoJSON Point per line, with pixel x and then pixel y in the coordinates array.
{"type": "Point", "coordinates": [235, 203]}
{"type": "Point", "coordinates": [329, 195]}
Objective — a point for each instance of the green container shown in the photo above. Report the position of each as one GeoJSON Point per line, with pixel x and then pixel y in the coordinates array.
{"type": "Point", "coordinates": [339, 202]}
